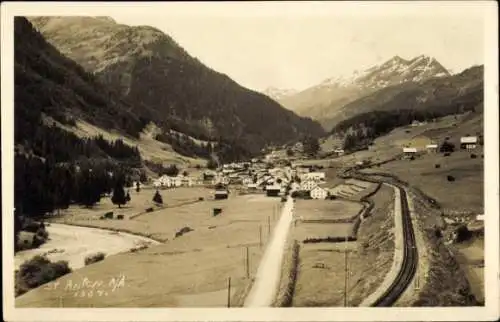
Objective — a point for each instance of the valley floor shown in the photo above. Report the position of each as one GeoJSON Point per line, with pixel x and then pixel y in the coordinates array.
{"type": "Point", "coordinates": [190, 270]}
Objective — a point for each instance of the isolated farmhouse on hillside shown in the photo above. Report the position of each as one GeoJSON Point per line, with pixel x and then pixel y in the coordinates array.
{"type": "Point", "coordinates": [431, 148]}
{"type": "Point", "coordinates": [468, 142]}
{"type": "Point", "coordinates": [409, 152]}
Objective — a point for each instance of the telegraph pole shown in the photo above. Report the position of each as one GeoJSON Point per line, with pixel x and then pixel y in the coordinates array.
{"type": "Point", "coordinates": [260, 236]}
{"type": "Point", "coordinates": [268, 227]}
{"type": "Point", "coordinates": [248, 264]}
{"type": "Point", "coordinates": [229, 292]}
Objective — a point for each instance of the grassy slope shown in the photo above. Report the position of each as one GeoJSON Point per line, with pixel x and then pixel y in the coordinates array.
{"type": "Point", "coordinates": [149, 148]}
{"type": "Point", "coordinates": [421, 172]}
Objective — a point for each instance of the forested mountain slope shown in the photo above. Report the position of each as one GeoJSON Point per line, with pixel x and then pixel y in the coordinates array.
{"type": "Point", "coordinates": [149, 68]}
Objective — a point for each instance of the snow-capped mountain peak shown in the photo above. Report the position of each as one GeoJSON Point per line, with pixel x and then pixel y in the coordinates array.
{"type": "Point", "coordinates": [394, 71]}
{"type": "Point", "coordinates": [278, 93]}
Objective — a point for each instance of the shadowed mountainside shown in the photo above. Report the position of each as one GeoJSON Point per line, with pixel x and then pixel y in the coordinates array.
{"type": "Point", "coordinates": [149, 68]}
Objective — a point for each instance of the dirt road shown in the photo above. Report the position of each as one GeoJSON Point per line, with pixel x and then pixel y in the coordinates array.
{"type": "Point", "coordinates": [268, 275]}
{"type": "Point", "coordinates": [73, 244]}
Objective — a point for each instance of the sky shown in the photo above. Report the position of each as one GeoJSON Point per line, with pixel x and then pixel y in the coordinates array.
{"type": "Point", "coordinates": [300, 45]}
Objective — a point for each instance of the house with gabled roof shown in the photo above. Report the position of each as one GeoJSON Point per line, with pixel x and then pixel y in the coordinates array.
{"type": "Point", "coordinates": [308, 185]}
{"type": "Point", "coordinates": [318, 193]}
{"type": "Point", "coordinates": [468, 142]}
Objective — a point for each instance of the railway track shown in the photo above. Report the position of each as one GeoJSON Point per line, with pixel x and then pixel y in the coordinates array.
{"type": "Point", "coordinates": [410, 254]}
{"type": "Point", "coordinates": [410, 259]}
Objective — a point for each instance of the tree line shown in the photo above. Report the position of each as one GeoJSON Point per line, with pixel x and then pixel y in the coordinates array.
{"type": "Point", "coordinates": [42, 187]}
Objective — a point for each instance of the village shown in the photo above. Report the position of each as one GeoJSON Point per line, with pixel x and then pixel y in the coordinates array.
{"type": "Point", "coordinates": [277, 173]}
{"type": "Point", "coordinates": [257, 176]}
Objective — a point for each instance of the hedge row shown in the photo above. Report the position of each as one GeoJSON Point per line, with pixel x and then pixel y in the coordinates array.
{"type": "Point", "coordinates": [285, 298]}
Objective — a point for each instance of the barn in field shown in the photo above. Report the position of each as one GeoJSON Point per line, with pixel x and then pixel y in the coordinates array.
{"type": "Point", "coordinates": [409, 152]}
{"type": "Point", "coordinates": [431, 148]}
{"type": "Point", "coordinates": [221, 193]}
{"type": "Point", "coordinates": [468, 142]}
{"type": "Point", "coordinates": [273, 190]}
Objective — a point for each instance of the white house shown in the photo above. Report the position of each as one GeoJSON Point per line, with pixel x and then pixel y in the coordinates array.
{"type": "Point", "coordinates": [409, 152]}
{"type": "Point", "coordinates": [468, 142]}
{"type": "Point", "coordinates": [252, 186]}
{"type": "Point", "coordinates": [431, 147]}
{"type": "Point", "coordinates": [339, 151]}
{"type": "Point", "coordinates": [163, 182]}
{"type": "Point", "coordinates": [187, 181]}
{"type": "Point", "coordinates": [247, 180]}
{"type": "Point", "coordinates": [222, 179]}
{"type": "Point", "coordinates": [318, 193]}
{"type": "Point", "coordinates": [308, 185]}
{"type": "Point", "coordinates": [177, 181]}
{"type": "Point", "coordinates": [315, 176]}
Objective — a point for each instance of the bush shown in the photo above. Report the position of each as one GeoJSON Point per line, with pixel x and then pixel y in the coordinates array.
{"type": "Point", "coordinates": [473, 156]}
{"type": "Point", "coordinates": [447, 147]}
{"type": "Point", "coordinates": [38, 271]}
{"type": "Point", "coordinates": [201, 199]}
{"type": "Point", "coordinates": [450, 178]}
{"type": "Point", "coordinates": [119, 217]}
{"type": "Point", "coordinates": [149, 209]}
{"type": "Point", "coordinates": [94, 258]}
{"type": "Point", "coordinates": [462, 233]}
{"type": "Point", "coordinates": [437, 166]}
{"type": "Point", "coordinates": [182, 231]}
{"type": "Point", "coordinates": [447, 154]}
{"type": "Point", "coordinates": [157, 198]}
{"type": "Point", "coordinates": [301, 194]}
{"type": "Point", "coordinates": [108, 215]}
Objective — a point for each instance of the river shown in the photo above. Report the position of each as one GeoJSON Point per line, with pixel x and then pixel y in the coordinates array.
{"type": "Point", "coordinates": [74, 243]}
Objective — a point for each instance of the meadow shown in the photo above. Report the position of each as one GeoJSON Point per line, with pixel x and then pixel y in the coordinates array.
{"type": "Point", "coordinates": [190, 270]}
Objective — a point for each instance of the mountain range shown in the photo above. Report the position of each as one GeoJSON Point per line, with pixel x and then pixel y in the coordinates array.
{"type": "Point", "coordinates": [326, 101]}
{"type": "Point", "coordinates": [169, 87]}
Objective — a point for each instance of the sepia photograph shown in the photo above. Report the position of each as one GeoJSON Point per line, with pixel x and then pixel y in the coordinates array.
{"type": "Point", "coordinates": [250, 155]}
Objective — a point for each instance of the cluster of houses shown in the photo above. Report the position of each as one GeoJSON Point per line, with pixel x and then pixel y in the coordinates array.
{"type": "Point", "coordinates": [255, 176]}
{"type": "Point", "coordinates": [166, 181]}
{"type": "Point", "coordinates": [468, 143]}
{"type": "Point", "coordinates": [311, 182]}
